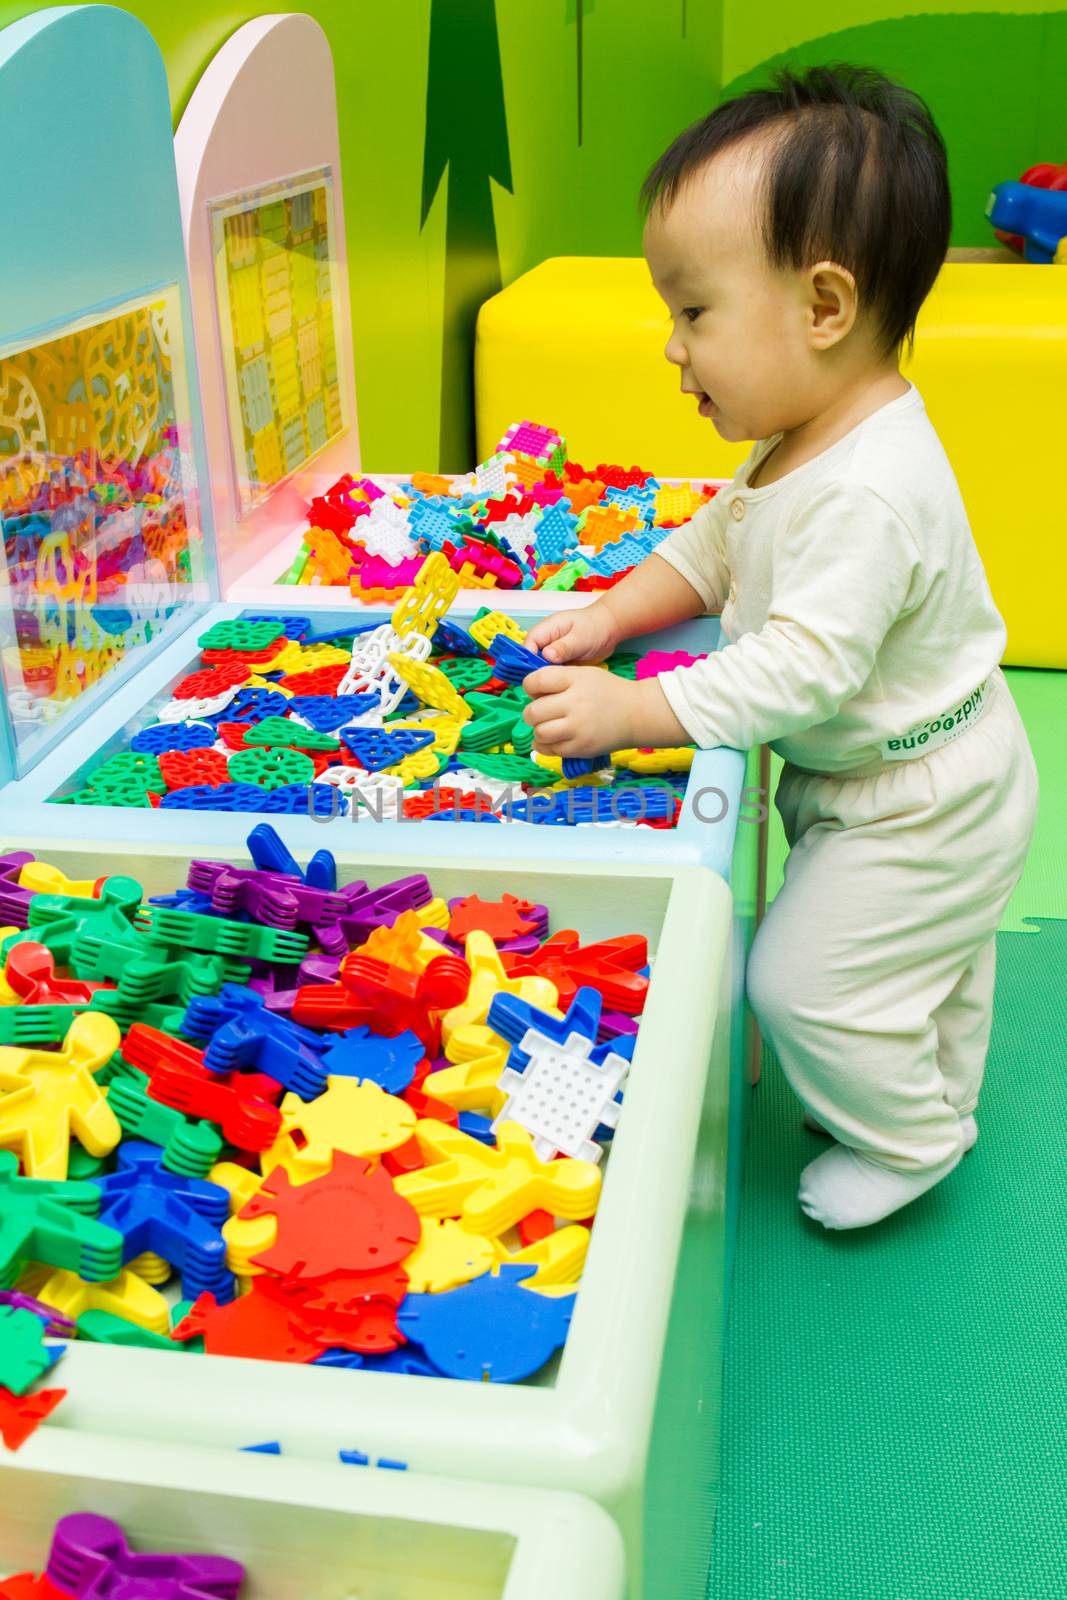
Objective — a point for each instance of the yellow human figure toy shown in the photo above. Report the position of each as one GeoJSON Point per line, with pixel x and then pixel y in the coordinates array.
{"type": "Point", "coordinates": [127, 1296]}
{"type": "Point", "coordinates": [40, 878]}
{"type": "Point", "coordinates": [478, 1056]}
{"type": "Point", "coordinates": [488, 978]}
{"type": "Point", "coordinates": [559, 1259]}
{"type": "Point", "coordinates": [493, 1189]}
{"type": "Point", "coordinates": [46, 1096]}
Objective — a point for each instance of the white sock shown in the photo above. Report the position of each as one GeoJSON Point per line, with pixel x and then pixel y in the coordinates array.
{"type": "Point", "coordinates": [844, 1189]}
{"type": "Point", "coordinates": [968, 1127]}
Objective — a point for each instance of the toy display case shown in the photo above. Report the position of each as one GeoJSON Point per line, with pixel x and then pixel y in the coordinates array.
{"type": "Point", "coordinates": [263, 215]}
{"type": "Point", "coordinates": [104, 551]}
{"type": "Point", "coordinates": [307, 1531]}
{"type": "Point", "coordinates": [651, 1301]}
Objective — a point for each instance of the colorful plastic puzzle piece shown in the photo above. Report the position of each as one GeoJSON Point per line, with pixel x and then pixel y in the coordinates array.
{"type": "Point", "coordinates": [492, 1330]}
{"type": "Point", "coordinates": [48, 1097]}
{"type": "Point", "coordinates": [90, 1559]}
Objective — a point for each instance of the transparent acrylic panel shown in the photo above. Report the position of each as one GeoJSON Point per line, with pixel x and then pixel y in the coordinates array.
{"type": "Point", "coordinates": [276, 282]}
{"type": "Point", "coordinates": [99, 508]}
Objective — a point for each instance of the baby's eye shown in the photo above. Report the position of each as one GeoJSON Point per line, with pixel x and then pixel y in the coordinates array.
{"type": "Point", "coordinates": [691, 313]}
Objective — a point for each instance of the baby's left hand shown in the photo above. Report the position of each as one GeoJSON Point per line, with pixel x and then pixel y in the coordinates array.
{"type": "Point", "coordinates": [582, 711]}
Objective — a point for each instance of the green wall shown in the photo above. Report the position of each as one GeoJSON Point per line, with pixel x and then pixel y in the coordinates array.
{"type": "Point", "coordinates": [479, 138]}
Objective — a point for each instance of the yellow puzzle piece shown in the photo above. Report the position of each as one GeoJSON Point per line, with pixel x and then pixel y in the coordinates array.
{"type": "Point", "coordinates": [354, 1116]}
{"type": "Point", "coordinates": [478, 1056]}
{"type": "Point", "coordinates": [559, 1259]}
{"type": "Point", "coordinates": [428, 599]}
{"type": "Point", "coordinates": [493, 1189]}
{"type": "Point", "coordinates": [40, 878]}
{"type": "Point", "coordinates": [654, 761]}
{"type": "Point", "coordinates": [48, 1095]}
{"type": "Point", "coordinates": [431, 685]}
{"type": "Point", "coordinates": [488, 978]}
{"type": "Point", "coordinates": [485, 630]}
{"type": "Point", "coordinates": [403, 945]}
{"type": "Point", "coordinates": [447, 1256]}
{"type": "Point", "coordinates": [126, 1296]}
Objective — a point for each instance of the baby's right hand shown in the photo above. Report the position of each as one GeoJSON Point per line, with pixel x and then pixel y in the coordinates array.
{"type": "Point", "coordinates": [587, 634]}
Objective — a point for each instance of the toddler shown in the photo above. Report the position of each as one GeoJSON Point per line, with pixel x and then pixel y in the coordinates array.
{"type": "Point", "coordinates": [793, 235]}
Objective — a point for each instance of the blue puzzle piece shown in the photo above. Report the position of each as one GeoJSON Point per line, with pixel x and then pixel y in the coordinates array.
{"type": "Point", "coordinates": [188, 900]}
{"type": "Point", "coordinates": [303, 799]}
{"type": "Point", "coordinates": [172, 1216]}
{"type": "Point", "coordinates": [375, 748]}
{"type": "Point", "coordinates": [359, 1053]}
{"type": "Point", "coordinates": [270, 854]}
{"type": "Point", "coordinates": [339, 1358]}
{"type": "Point", "coordinates": [492, 1329]}
{"type": "Point", "coordinates": [558, 536]}
{"type": "Point", "coordinates": [450, 815]}
{"type": "Point", "coordinates": [222, 797]}
{"type": "Point", "coordinates": [331, 634]}
{"type": "Point", "coordinates": [626, 552]}
{"type": "Point", "coordinates": [329, 713]}
{"type": "Point", "coordinates": [476, 1127]}
{"type": "Point", "coordinates": [173, 736]}
{"type": "Point", "coordinates": [293, 627]}
{"type": "Point", "coordinates": [271, 1448]}
{"type": "Point", "coordinates": [454, 640]}
{"type": "Point", "coordinates": [408, 1361]}
{"type": "Point", "coordinates": [512, 661]}
{"type": "Point", "coordinates": [434, 527]}
{"type": "Point", "coordinates": [252, 705]}
{"type": "Point", "coordinates": [512, 1018]}
{"type": "Point", "coordinates": [244, 1036]}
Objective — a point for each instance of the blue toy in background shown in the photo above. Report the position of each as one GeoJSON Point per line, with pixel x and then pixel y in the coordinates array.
{"type": "Point", "coordinates": [1039, 216]}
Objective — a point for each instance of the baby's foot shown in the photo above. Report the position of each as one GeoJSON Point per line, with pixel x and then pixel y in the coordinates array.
{"type": "Point", "coordinates": [968, 1127]}
{"type": "Point", "coordinates": [844, 1189]}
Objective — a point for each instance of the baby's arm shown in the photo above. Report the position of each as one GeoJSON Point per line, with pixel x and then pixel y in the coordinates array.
{"type": "Point", "coordinates": [685, 577]}
{"type": "Point", "coordinates": [844, 571]}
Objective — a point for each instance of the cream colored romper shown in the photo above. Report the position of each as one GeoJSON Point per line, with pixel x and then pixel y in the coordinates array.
{"type": "Point", "coordinates": [863, 647]}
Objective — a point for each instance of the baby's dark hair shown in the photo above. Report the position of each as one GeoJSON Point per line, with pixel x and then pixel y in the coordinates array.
{"type": "Point", "coordinates": [856, 173]}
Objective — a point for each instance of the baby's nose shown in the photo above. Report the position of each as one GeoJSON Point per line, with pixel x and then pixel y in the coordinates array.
{"type": "Point", "coordinates": [675, 351]}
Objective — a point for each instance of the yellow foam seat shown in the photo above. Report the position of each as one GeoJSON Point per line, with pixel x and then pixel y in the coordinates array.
{"type": "Point", "coordinates": [577, 343]}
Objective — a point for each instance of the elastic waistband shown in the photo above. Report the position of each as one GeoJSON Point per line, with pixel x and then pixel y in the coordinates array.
{"type": "Point", "coordinates": [926, 737]}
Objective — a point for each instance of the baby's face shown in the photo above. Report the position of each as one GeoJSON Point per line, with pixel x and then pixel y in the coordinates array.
{"type": "Point", "coordinates": [739, 331]}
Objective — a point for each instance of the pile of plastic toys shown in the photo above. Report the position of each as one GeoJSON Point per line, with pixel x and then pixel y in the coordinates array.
{"type": "Point", "coordinates": [356, 1126]}
{"type": "Point", "coordinates": [91, 1557]}
{"type": "Point", "coordinates": [411, 719]}
{"type": "Point", "coordinates": [527, 518]}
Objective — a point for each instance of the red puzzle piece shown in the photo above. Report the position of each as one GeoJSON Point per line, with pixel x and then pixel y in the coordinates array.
{"type": "Point", "coordinates": [611, 967]}
{"type": "Point", "coordinates": [317, 680]}
{"type": "Point", "coordinates": [262, 1324]}
{"type": "Point", "coordinates": [507, 918]}
{"type": "Point", "coordinates": [21, 1415]}
{"type": "Point", "coordinates": [349, 1220]}
{"type": "Point", "coordinates": [385, 997]}
{"type": "Point", "coordinates": [210, 681]}
{"type": "Point", "coordinates": [357, 1311]}
{"type": "Point", "coordinates": [180, 768]}
{"type": "Point", "coordinates": [30, 971]}
{"type": "Point", "coordinates": [237, 1102]}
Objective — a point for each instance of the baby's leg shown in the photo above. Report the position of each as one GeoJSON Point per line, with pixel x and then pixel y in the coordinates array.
{"type": "Point", "coordinates": [871, 974]}
{"type": "Point", "coordinates": [963, 1022]}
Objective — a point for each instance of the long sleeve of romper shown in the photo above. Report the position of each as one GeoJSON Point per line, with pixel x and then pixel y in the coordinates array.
{"type": "Point", "coordinates": [844, 569]}
{"type": "Point", "coordinates": [698, 551]}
